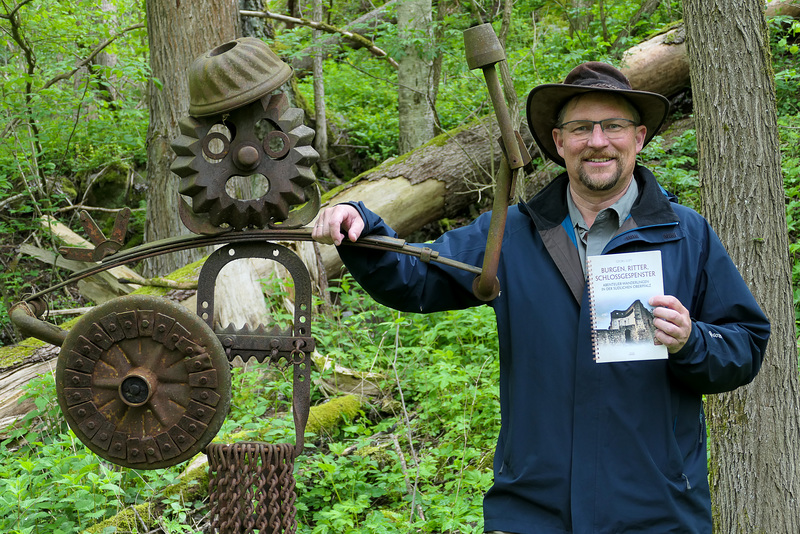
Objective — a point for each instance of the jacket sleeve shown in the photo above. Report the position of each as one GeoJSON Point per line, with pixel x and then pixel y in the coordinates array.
{"type": "Point", "coordinates": [729, 333]}
{"type": "Point", "coordinates": [405, 282]}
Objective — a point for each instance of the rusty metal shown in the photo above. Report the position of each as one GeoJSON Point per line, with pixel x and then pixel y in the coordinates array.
{"type": "Point", "coordinates": [102, 246]}
{"type": "Point", "coordinates": [265, 139]}
{"type": "Point", "coordinates": [184, 242]}
{"type": "Point", "coordinates": [293, 345]}
{"type": "Point", "coordinates": [27, 319]}
{"type": "Point", "coordinates": [483, 50]}
{"type": "Point", "coordinates": [143, 382]}
{"type": "Point", "coordinates": [252, 488]}
{"type": "Point", "coordinates": [234, 74]}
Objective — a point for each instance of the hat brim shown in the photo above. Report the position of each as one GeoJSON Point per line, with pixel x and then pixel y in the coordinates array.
{"type": "Point", "coordinates": [545, 101]}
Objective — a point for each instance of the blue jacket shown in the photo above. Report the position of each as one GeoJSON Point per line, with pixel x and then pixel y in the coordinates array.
{"type": "Point", "coordinates": [587, 447]}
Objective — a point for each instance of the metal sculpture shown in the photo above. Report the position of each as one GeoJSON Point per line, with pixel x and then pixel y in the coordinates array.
{"type": "Point", "coordinates": [145, 383]}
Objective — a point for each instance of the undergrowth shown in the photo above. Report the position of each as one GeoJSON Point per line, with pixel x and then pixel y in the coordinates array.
{"type": "Point", "coordinates": [418, 459]}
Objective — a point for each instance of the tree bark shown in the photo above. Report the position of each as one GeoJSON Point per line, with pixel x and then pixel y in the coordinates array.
{"type": "Point", "coordinates": [661, 64]}
{"type": "Point", "coordinates": [178, 32]}
{"type": "Point", "coordinates": [414, 77]}
{"type": "Point", "coordinates": [754, 430]}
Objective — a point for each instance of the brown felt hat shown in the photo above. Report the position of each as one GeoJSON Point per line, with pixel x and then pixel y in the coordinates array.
{"type": "Point", "coordinates": [545, 101]}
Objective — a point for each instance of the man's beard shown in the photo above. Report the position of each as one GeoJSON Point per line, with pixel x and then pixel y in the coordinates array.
{"type": "Point", "coordinates": [593, 185]}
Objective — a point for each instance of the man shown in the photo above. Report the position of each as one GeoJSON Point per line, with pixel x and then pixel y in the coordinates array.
{"type": "Point", "coordinates": [586, 447]}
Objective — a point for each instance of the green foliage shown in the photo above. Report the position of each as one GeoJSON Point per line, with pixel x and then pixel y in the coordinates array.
{"type": "Point", "coordinates": [676, 165]}
{"type": "Point", "coordinates": [71, 125]}
{"type": "Point", "coordinates": [427, 451]}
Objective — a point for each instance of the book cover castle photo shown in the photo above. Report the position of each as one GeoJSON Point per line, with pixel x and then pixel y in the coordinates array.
{"type": "Point", "coordinates": [620, 286]}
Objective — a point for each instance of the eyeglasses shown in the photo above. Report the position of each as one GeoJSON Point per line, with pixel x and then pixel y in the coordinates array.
{"type": "Point", "coordinates": [612, 128]}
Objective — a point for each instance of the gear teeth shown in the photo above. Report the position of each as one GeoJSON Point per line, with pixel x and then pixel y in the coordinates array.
{"type": "Point", "coordinates": [183, 166]}
{"type": "Point", "coordinates": [302, 134]}
{"type": "Point", "coordinates": [190, 127]}
{"type": "Point", "coordinates": [307, 156]}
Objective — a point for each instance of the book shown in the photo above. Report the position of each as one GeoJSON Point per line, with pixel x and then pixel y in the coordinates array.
{"type": "Point", "coordinates": [620, 287]}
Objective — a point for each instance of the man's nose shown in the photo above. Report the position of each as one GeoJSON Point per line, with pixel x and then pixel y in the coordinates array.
{"type": "Point", "coordinates": [598, 137]}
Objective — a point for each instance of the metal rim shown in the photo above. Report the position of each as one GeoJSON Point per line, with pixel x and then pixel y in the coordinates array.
{"type": "Point", "coordinates": [143, 382]}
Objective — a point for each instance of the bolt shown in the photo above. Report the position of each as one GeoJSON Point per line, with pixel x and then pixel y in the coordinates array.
{"type": "Point", "coordinates": [90, 425]}
{"type": "Point", "coordinates": [151, 451]}
{"type": "Point", "coordinates": [134, 452]}
{"type": "Point", "coordinates": [204, 395]}
{"type": "Point", "coordinates": [204, 381]}
{"type": "Point", "coordinates": [145, 323]}
{"type": "Point", "coordinates": [79, 364]}
{"type": "Point", "coordinates": [112, 328]}
{"type": "Point", "coordinates": [118, 447]}
{"type": "Point", "coordinates": [103, 436]}
{"type": "Point", "coordinates": [192, 427]}
{"type": "Point", "coordinates": [181, 439]}
{"type": "Point", "coordinates": [81, 413]}
{"type": "Point", "coordinates": [167, 447]}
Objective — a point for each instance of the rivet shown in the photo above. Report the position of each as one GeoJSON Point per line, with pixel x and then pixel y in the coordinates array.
{"type": "Point", "coordinates": [181, 439]}
{"type": "Point", "coordinates": [145, 323]}
{"type": "Point", "coordinates": [134, 452]}
{"type": "Point", "coordinates": [167, 447]}
{"type": "Point", "coordinates": [204, 381]}
{"type": "Point", "coordinates": [192, 427]}
{"type": "Point", "coordinates": [112, 327]}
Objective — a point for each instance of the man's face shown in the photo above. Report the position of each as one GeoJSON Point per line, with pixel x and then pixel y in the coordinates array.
{"type": "Point", "coordinates": [599, 165]}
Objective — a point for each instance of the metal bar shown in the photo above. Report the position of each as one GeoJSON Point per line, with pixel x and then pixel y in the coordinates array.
{"type": "Point", "coordinates": [175, 244]}
{"type": "Point", "coordinates": [24, 318]}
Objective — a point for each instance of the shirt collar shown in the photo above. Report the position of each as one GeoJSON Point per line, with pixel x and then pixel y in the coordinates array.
{"type": "Point", "coordinates": [622, 207]}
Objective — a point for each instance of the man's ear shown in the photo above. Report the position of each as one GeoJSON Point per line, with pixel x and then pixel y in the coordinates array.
{"type": "Point", "coordinates": [641, 133]}
{"type": "Point", "coordinates": [558, 139]}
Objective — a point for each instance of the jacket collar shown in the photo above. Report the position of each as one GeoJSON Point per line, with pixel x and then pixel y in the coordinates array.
{"type": "Point", "coordinates": [549, 207]}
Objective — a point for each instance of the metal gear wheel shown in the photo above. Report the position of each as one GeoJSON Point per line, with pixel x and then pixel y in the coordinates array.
{"type": "Point", "coordinates": [265, 139]}
{"type": "Point", "coordinates": [143, 382]}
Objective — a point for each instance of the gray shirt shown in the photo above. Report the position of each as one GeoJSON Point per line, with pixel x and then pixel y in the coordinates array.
{"type": "Point", "coordinates": [592, 241]}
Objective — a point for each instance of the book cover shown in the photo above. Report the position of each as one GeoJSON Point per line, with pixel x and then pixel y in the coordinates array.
{"type": "Point", "coordinates": [620, 287]}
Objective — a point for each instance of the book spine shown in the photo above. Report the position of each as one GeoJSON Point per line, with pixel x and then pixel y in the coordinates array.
{"type": "Point", "coordinates": [592, 310]}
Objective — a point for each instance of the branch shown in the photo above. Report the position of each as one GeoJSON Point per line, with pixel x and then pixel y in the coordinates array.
{"type": "Point", "coordinates": [356, 38]}
{"type": "Point", "coordinates": [88, 59]}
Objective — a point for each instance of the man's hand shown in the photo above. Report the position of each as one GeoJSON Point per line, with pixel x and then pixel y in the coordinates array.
{"type": "Point", "coordinates": [333, 221]}
{"type": "Point", "coordinates": [672, 321]}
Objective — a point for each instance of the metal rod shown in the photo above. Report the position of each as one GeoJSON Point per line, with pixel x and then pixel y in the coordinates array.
{"type": "Point", "coordinates": [175, 244]}
{"type": "Point", "coordinates": [486, 286]}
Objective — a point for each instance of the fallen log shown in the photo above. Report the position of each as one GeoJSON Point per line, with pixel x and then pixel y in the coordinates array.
{"type": "Point", "coordinates": [661, 65]}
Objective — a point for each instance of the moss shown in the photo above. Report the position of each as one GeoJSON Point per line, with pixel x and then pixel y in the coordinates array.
{"type": "Point", "coordinates": [190, 273]}
{"type": "Point", "coordinates": [193, 484]}
{"type": "Point", "coordinates": [129, 521]}
{"type": "Point", "coordinates": [326, 417]}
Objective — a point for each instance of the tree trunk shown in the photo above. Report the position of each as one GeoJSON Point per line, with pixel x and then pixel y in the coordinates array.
{"type": "Point", "coordinates": [661, 64]}
{"type": "Point", "coordinates": [320, 117]}
{"type": "Point", "coordinates": [178, 32]}
{"type": "Point", "coordinates": [415, 112]}
{"type": "Point", "coordinates": [438, 180]}
{"type": "Point", "coordinates": [754, 430]}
